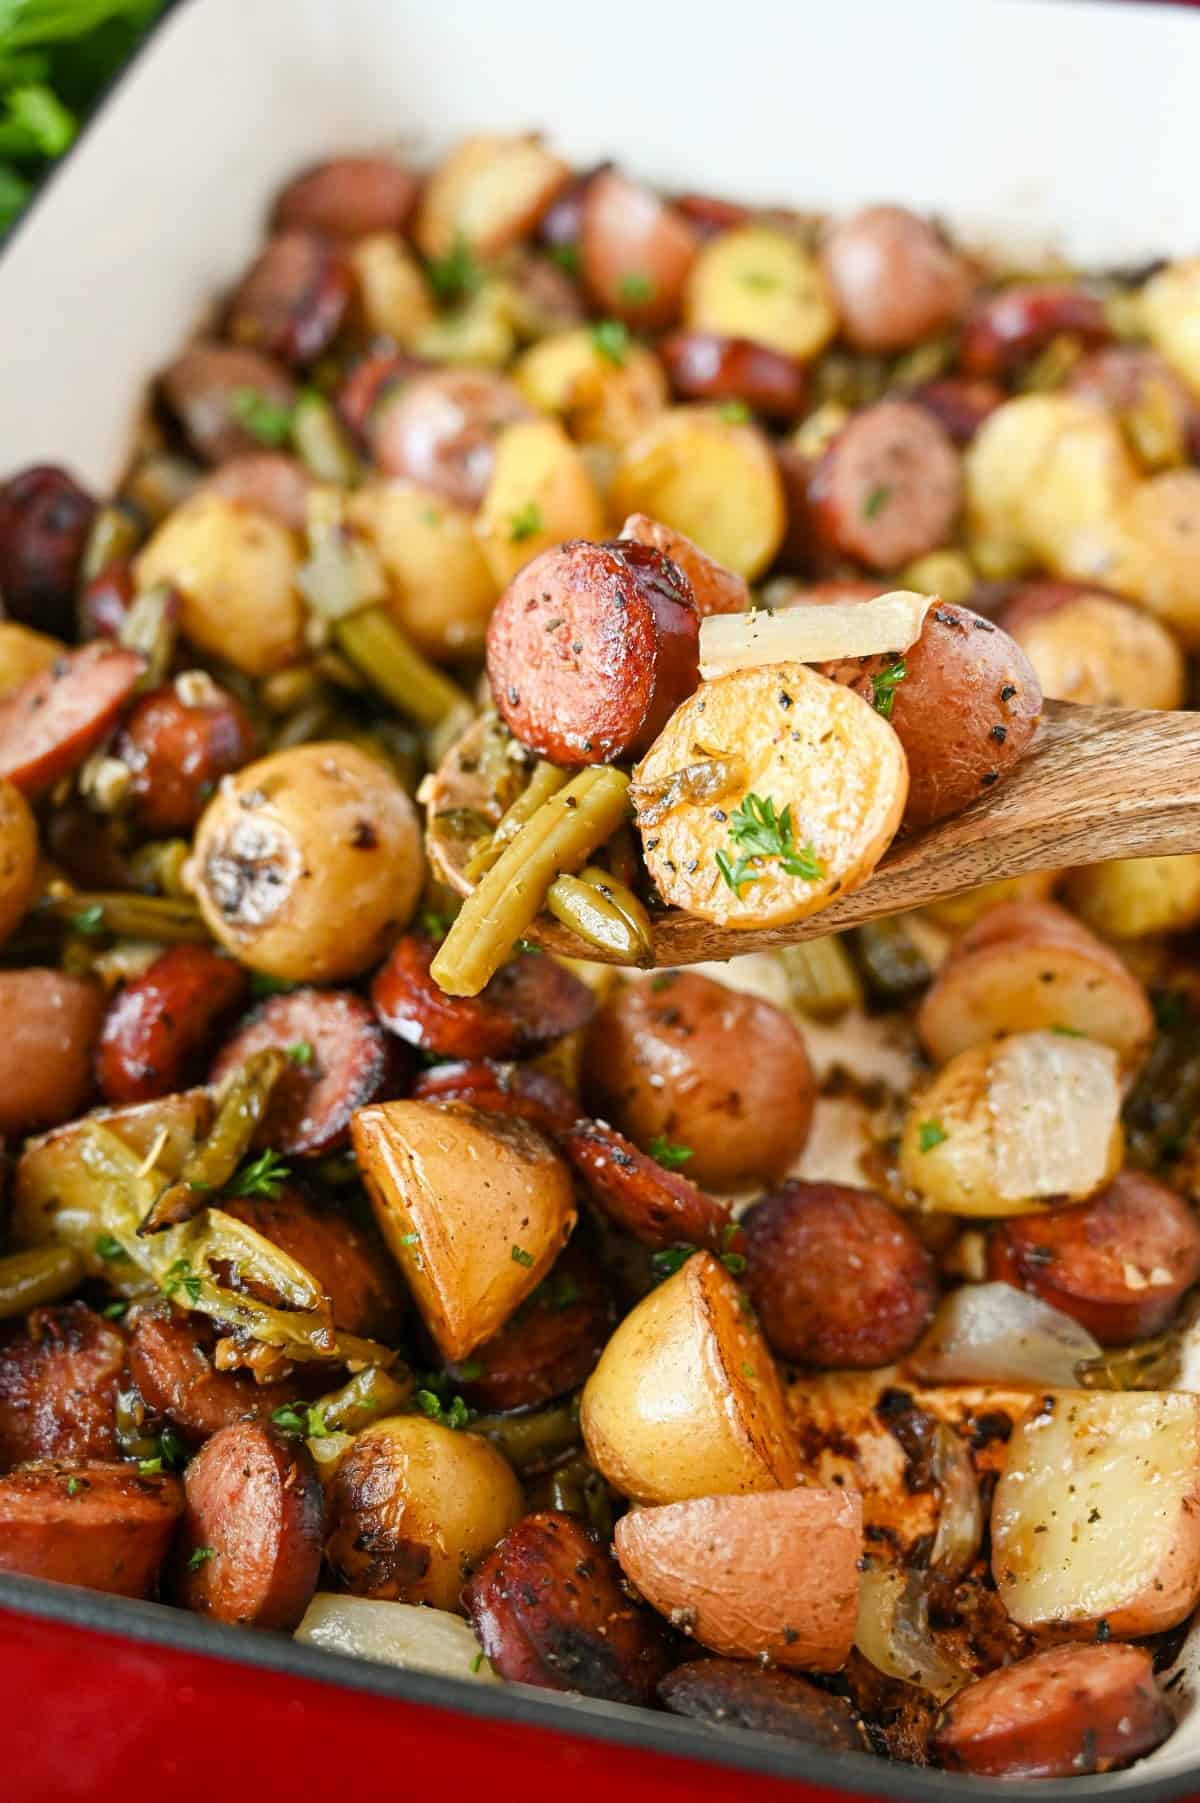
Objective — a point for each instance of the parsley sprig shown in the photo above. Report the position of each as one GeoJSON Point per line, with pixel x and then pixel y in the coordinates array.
{"type": "Point", "coordinates": [670, 1156]}
{"type": "Point", "coordinates": [263, 1176]}
{"type": "Point", "coordinates": [884, 686]}
{"type": "Point", "coordinates": [761, 835]}
{"type": "Point", "coordinates": [268, 420]}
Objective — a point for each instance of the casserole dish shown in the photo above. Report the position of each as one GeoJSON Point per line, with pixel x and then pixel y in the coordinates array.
{"type": "Point", "coordinates": [282, 83]}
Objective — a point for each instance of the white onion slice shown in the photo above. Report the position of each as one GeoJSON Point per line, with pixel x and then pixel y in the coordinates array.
{"type": "Point", "coordinates": [993, 1333]}
{"type": "Point", "coordinates": [811, 632]}
{"type": "Point", "coordinates": [893, 1631]}
{"type": "Point", "coordinates": [424, 1640]}
{"type": "Point", "coordinates": [1055, 1104]}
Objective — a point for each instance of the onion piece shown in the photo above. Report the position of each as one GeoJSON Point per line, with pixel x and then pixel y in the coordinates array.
{"type": "Point", "coordinates": [893, 1631]}
{"type": "Point", "coordinates": [960, 1511]}
{"type": "Point", "coordinates": [812, 632]}
{"type": "Point", "coordinates": [991, 1333]}
{"type": "Point", "coordinates": [1055, 1104]}
{"type": "Point", "coordinates": [419, 1639]}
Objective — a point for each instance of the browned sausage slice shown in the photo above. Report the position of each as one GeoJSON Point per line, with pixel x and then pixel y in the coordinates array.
{"type": "Point", "coordinates": [160, 1024]}
{"type": "Point", "coordinates": [837, 1277]}
{"type": "Point", "coordinates": [57, 718]}
{"type": "Point", "coordinates": [889, 488]}
{"type": "Point", "coordinates": [170, 1364]}
{"type": "Point", "coordinates": [58, 1386]}
{"type": "Point", "coordinates": [1119, 1263]}
{"type": "Point", "coordinates": [339, 1059]}
{"type": "Point", "coordinates": [179, 743]}
{"type": "Point", "coordinates": [715, 590]}
{"type": "Point", "coordinates": [549, 1346]}
{"type": "Point", "coordinates": [711, 215]}
{"type": "Point", "coordinates": [518, 1089]}
{"type": "Point", "coordinates": [103, 1526]}
{"type": "Point", "coordinates": [292, 301]}
{"type": "Point", "coordinates": [441, 429]}
{"type": "Point", "coordinates": [50, 1026]}
{"type": "Point", "coordinates": [1058, 1714]}
{"type": "Point", "coordinates": [894, 277]}
{"type": "Point", "coordinates": [353, 1271]}
{"type": "Point", "coordinates": [636, 251]}
{"type": "Point", "coordinates": [727, 1693]}
{"type": "Point", "coordinates": [45, 518]}
{"type": "Point", "coordinates": [530, 1000]}
{"type": "Point", "coordinates": [269, 482]}
{"type": "Point", "coordinates": [1011, 327]}
{"type": "Point", "coordinates": [657, 1206]}
{"type": "Point", "coordinates": [250, 1549]}
{"type": "Point", "coordinates": [959, 406]}
{"type": "Point", "coordinates": [701, 366]}
{"type": "Point", "coordinates": [348, 197]}
{"type": "Point", "coordinates": [204, 386]}
{"type": "Point", "coordinates": [549, 1609]}
{"type": "Point", "coordinates": [590, 650]}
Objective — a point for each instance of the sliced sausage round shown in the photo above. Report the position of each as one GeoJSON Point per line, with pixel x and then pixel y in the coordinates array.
{"type": "Point", "coordinates": [268, 482]}
{"type": "Point", "coordinates": [657, 1206]}
{"type": "Point", "coordinates": [339, 1059]}
{"type": "Point", "coordinates": [366, 387]}
{"type": "Point", "coordinates": [636, 251]}
{"type": "Point", "coordinates": [549, 1346]}
{"type": "Point", "coordinates": [590, 650]}
{"type": "Point", "coordinates": [1062, 1713]}
{"type": "Point", "coordinates": [548, 1607]}
{"type": "Point", "coordinates": [348, 197]}
{"type": "Point", "coordinates": [838, 1278]}
{"type": "Point", "coordinates": [889, 487]}
{"type": "Point", "coordinates": [170, 1364]}
{"type": "Point", "coordinates": [179, 743]}
{"type": "Point", "coordinates": [894, 278]}
{"type": "Point", "coordinates": [50, 1026]}
{"type": "Point", "coordinates": [532, 999]}
{"type": "Point", "coordinates": [709, 214]}
{"type": "Point", "coordinates": [159, 1026]}
{"type": "Point", "coordinates": [292, 301]}
{"type": "Point", "coordinates": [202, 388]}
{"type": "Point", "coordinates": [99, 1525]}
{"type": "Point", "coordinates": [58, 1386]}
{"type": "Point", "coordinates": [353, 1271]}
{"type": "Point", "coordinates": [701, 366]}
{"type": "Point", "coordinates": [1119, 1263]}
{"type": "Point", "coordinates": [517, 1089]}
{"type": "Point", "coordinates": [250, 1548]}
{"type": "Point", "coordinates": [440, 430]}
{"type": "Point", "coordinates": [732, 1693]}
{"type": "Point", "coordinates": [45, 519]}
{"type": "Point", "coordinates": [58, 717]}
{"type": "Point", "coordinates": [959, 405]}
{"type": "Point", "coordinates": [1010, 328]}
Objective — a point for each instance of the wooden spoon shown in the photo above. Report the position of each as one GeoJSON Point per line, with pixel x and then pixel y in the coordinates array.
{"type": "Point", "coordinates": [1097, 783]}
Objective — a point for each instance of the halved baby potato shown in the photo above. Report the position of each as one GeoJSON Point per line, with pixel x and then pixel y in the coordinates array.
{"type": "Point", "coordinates": [1097, 1516]}
{"type": "Point", "coordinates": [759, 282]}
{"type": "Point", "coordinates": [1009, 1126]}
{"type": "Point", "coordinates": [540, 494]}
{"type": "Point", "coordinates": [1170, 315]}
{"type": "Point", "coordinates": [1130, 897]}
{"type": "Point", "coordinates": [686, 1400]}
{"type": "Point", "coordinates": [1150, 551]}
{"type": "Point", "coordinates": [769, 1577]}
{"type": "Point", "coordinates": [475, 1208]}
{"type": "Point", "coordinates": [1094, 649]}
{"type": "Point", "coordinates": [711, 478]}
{"type": "Point", "coordinates": [489, 193]}
{"type": "Point", "coordinates": [792, 740]}
{"type": "Point", "coordinates": [393, 296]}
{"type": "Point", "coordinates": [605, 393]}
{"type": "Point", "coordinates": [1026, 966]}
{"type": "Point", "coordinates": [18, 856]}
{"type": "Point", "coordinates": [441, 589]}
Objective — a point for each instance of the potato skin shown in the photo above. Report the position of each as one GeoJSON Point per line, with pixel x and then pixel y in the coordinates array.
{"type": "Point", "coordinates": [658, 1064]}
{"type": "Point", "coordinates": [1094, 649]}
{"type": "Point", "coordinates": [966, 709]}
{"type": "Point", "coordinates": [1128, 898]}
{"type": "Point", "coordinates": [895, 279]}
{"type": "Point", "coordinates": [348, 197]}
{"type": "Point", "coordinates": [51, 1024]}
{"type": "Point", "coordinates": [308, 861]}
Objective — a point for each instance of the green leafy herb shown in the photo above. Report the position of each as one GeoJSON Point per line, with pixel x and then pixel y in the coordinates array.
{"type": "Point", "coordinates": [112, 1311]}
{"type": "Point", "coordinates": [761, 835]}
{"type": "Point", "coordinates": [636, 288]}
{"type": "Point", "coordinates": [107, 1247]}
{"type": "Point", "coordinates": [180, 1276]}
{"type": "Point", "coordinates": [566, 256]}
{"type": "Point", "coordinates": [452, 1414]}
{"type": "Point", "coordinates": [761, 279]}
{"type": "Point", "coordinates": [457, 275]}
{"type": "Point", "coordinates": [263, 1176]}
{"type": "Point", "coordinates": [931, 1134]}
{"type": "Point", "coordinates": [172, 1449]}
{"type": "Point", "coordinates": [473, 1369]}
{"type": "Point", "coordinates": [267, 420]}
{"type": "Point", "coordinates": [876, 501]}
{"type": "Point", "coordinates": [302, 1052]}
{"type": "Point", "coordinates": [748, 1372]}
{"type": "Point", "coordinates": [150, 1467]}
{"type": "Point", "coordinates": [300, 1419]}
{"type": "Point", "coordinates": [435, 924]}
{"type": "Point", "coordinates": [1068, 1032]}
{"type": "Point", "coordinates": [477, 1662]}
{"type": "Point", "coordinates": [410, 1239]}
{"type": "Point", "coordinates": [521, 1257]}
{"type": "Point", "coordinates": [884, 686]}
{"type": "Point", "coordinates": [734, 413]}
{"type": "Point", "coordinates": [611, 340]}
{"type": "Point", "coordinates": [89, 920]}
{"type": "Point", "coordinates": [526, 523]}
{"type": "Point", "coordinates": [200, 1556]}
{"type": "Point", "coordinates": [556, 1292]}
{"type": "Point", "coordinates": [668, 1261]}
{"type": "Point", "coordinates": [734, 1262]}
{"type": "Point", "coordinates": [262, 986]}
{"type": "Point", "coordinates": [73, 1486]}
{"type": "Point", "coordinates": [669, 1156]}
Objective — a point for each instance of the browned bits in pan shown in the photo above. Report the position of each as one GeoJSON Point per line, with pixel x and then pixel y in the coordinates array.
{"type": "Point", "coordinates": [292, 301]}
{"type": "Point", "coordinates": [530, 1000]}
{"type": "Point", "coordinates": [657, 1206]}
{"type": "Point", "coordinates": [160, 1025]}
{"type": "Point", "coordinates": [45, 518]}
{"type": "Point", "coordinates": [58, 1386]}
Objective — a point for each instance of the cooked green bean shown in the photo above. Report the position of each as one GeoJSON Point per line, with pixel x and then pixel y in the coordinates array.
{"type": "Point", "coordinates": [321, 443]}
{"type": "Point", "coordinates": [532, 1441]}
{"type": "Point", "coordinates": [606, 915]}
{"type": "Point", "coordinates": [376, 646]}
{"type": "Point", "coordinates": [821, 977]}
{"type": "Point", "coordinates": [114, 535]}
{"type": "Point", "coordinates": [891, 963]}
{"type": "Point", "coordinates": [577, 1489]}
{"type": "Point", "coordinates": [368, 1397]}
{"type": "Point", "coordinates": [559, 838]}
{"type": "Point", "coordinates": [547, 780]}
{"type": "Point", "coordinates": [1148, 1365]}
{"type": "Point", "coordinates": [42, 1274]}
{"type": "Point", "coordinates": [159, 865]}
{"type": "Point", "coordinates": [211, 1164]}
{"type": "Point", "coordinates": [155, 917]}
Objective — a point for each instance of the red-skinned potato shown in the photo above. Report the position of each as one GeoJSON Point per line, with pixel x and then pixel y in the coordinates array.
{"type": "Point", "coordinates": [202, 389]}
{"type": "Point", "coordinates": [1093, 649]}
{"type": "Point", "coordinates": [715, 589]}
{"type": "Point", "coordinates": [894, 278]}
{"type": "Point", "coordinates": [51, 1024]}
{"type": "Point", "coordinates": [1027, 965]}
{"type": "Point", "coordinates": [348, 197]}
{"type": "Point", "coordinates": [686, 1400]}
{"type": "Point", "coordinates": [888, 489]}
{"type": "Point", "coordinates": [636, 251]}
{"type": "Point", "coordinates": [965, 709]}
{"type": "Point", "coordinates": [753, 1577]}
{"type": "Point", "coordinates": [658, 1065]}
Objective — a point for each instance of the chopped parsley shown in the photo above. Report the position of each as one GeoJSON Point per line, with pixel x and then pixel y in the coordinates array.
{"type": "Point", "coordinates": [262, 986]}
{"type": "Point", "coordinates": [299, 1418]}
{"type": "Point", "coordinates": [556, 1292]}
{"type": "Point", "coordinates": [876, 501]}
{"type": "Point", "coordinates": [477, 1661]}
{"type": "Point", "coordinates": [455, 1413]}
{"type": "Point", "coordinates": [471, 1371]}
{"type": "Point", "coordinates": [112, 1311]}
{"type": "Point", "coordinates": [636, 287]}
{"type": "Point", "coordinates": [172, 1449]}
{"type": "Point", "coordinates": [760, 279]}
{"type": "Point", "coordinates": [526, 523]}
{"type": "Point", "coordinates": [734, 413]}
{"type": "Point", "coordinates": [566, 256]}
{"type": "Point", "coordinates": [760, 835]}
{"type": "Point", "coordinates": [457, 275]}
{"type": "Point", "coordinates": [884, 686]}
{"type": "Point", "coordinates": [611, 340]}
{"type": "Point", "coordinates": [89, 920]}
{"type": "Point", "coordinates": [521, 1257]}
{"type": "Point", "coordinates": [180, 1276]}
{"type": "Point", "coordinates": [263, 1176]}
{"type": "Point", "coordinates": [931, 1134]}
{"type": "Point", "coordinates": [435, 924]}
{"type": "Point", "coordinates": [302, 1052]}
{"type": "Point", "coordinates": [669, 1156]}
{"type": "Point", "coordinates": [410, 1239]}
{"type": "Point", "coordinates": [267, 420]}
{"type": "Point", "coordinates": [200, 1556]}
{"type": "Point", "coordinates": [109, 1248]}
{"type": "Point", "coordinates": [150, 1467]}
{"type": "Point", "coordinates": [1068, 1032]}
{"type": "Point", "coordinates": [73, 1486]}
{"type": "Point", "coordinates": [669, 1260]}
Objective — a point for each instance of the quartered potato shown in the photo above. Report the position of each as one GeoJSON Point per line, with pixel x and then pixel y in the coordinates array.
{"type": "Point", "coordinates": [475, 1209]}
{"type": "Point", "coordinates": [713, 479]}
{"type": "Point", "coordinates": [489, 192]}
{"type": "Point", "coordinates": [393, 295]}
{"type": "Point", "coordinates": [605, 390]}
{"type": "Point", "coordinates": [1150, 551]}
{"type": "Point", "coordinates": [441, 589]}
{"type": "Point", "coordinates": [791, 739]}
{"type": "Point", "coordinates": [1130, 897]}
{"type": "Point", "coordinates": [759, 282]}
{"type": "Point", "coordinates": [540, 494]}
{"type": "Point", "coordinates": [1096, 1518]}
{"type": "Point", "coordinates": [1169, 313]}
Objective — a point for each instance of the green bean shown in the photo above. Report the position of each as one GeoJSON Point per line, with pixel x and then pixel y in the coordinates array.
{"type": "Point", "coordinates": [547, 780]}
{"type": "Point", "coordinates": [892, 965]}
{"type": "Point", "coordinates": [577, 1489]}
{"type": "Point", "coordinates": [211, 1164]}
{"type": "Point", "coordinates": [559, 838]}
{"type": "Point", "coordinates": [160, 918]}
{"type": "Point", "coordinates": [320, 442]}
{"type": "Point", "coordinates": [532, 1441]}
{"type": "Point", "coordinates": [151, 627]}
{"type": "Point", "coordinates": [313, 721]}
{"type": "Point", "coordinates": [135, 1437]}
{"type": "Point", "coordinates": [114, 535]}
{"type": "Point", "coordinates": [376, 646]}
{"type": "Point", "coordinates": [366, 1398]}
{"type": "Point", "coordinates": [606, 915]}
{"type": "Point", "coordinates": [42, 1274]}
{"type": "Point", "coordinates": [821, 977]}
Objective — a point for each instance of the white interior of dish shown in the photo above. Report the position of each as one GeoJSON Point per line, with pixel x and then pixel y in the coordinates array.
{"type": "Point", "coordinates": [1026, 124]}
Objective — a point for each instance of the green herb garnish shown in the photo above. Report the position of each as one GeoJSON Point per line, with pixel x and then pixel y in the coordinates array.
{"type": "Point", "coordinates": [452, 1414]}
{"type": "Point", "coordinates": [89, 920]}
{"type": "Point", "coordinates": [180, 1276]}
{"type": "Point", "coordinates": [300, 1419]}
{"type": "Point", "coordinates": [669, 1156]}
{"type": "Point", "coordinates": [521, 1257]}
{"type": "Point", "coordinates": [566, 256]}
{"type": "Point", "coordinates": [201, 1556]}
{"type": "Point", "coordinates": [931, 1134]}
{"type": "Point", "coordinates": [762, 835]}
{"type": "Point", "coordinates": [526, 523]}
{"type": "Point", "coordinates": [884, 686]}
{"type": "Point", "coordinates": [267, 420]}
{"type": "Point", "coordinates": [876, 501]}
{"type": "Point", "coordinates": [457, 275]}
{"type": "Point", "coordinates": [636, 288]}
{"type": "Point", "coordinates": [107, 1247]}
{"type": "Point", "coordinates": [263, 1176]}
{"type": "Point", "coordinates": [734, 413]}
{"type": "Point", "coordinates": [611, 339]}
{"type": "Point", "coordinates": [302, 1052]}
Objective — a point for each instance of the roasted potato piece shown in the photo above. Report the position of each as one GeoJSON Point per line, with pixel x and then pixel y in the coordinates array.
{"type": "Point", "coordinates": [830, 767]}
{"type": "Point", "coordinates": [686, 1400]}
{"type": "Point", "coordinates": [1126, 898]}
{"type": "Point", "coordinates": [18, 857]}
{"type": "Point", "coordinates": [711, 478]}
{"type": "Point", "coordinates": [956, 912]}
{"type": "Point", "coordinates": [604, 389]}
{"type": "Point", "coordinates": [715, 589]}
{"type": "Point", "coordinates": [895, 278]}
{"type": "Point", "coordinates": [308, 861]}
{"type": "Point", "coordinates": [1170, 314]}
{"type": "Point", "coordinates": [540, 493]}
{"type": "Point", "coordinates": [770, 1577]}
{"type": "Point", "coordinates": [235, 572]}
{"type": "Point", "coordinates": [759, 282]}
{"type": "Point", "coordinates": [1096, 1517]}
{"type": "Point", "coordinates": [1148, 551]}
{"type": "Point", "coordinates": [413, 1506]}
{"type": "Point", "coordinates": [441, 587]}
{"type": "Point", "coordinates": [635, 250]}
{"type": "Point", "coordinates": [1027, 966]}
{"type": "Point", "coordinates": [1095, 650]}
{"type": "Point", "coordinates": [393, 296]}
{"type": "Point", "coordinates": [469, 1266]}
{"type": "Point", "coordinates": [1008, 1125]}
{"type": "Point", "coordinates": [488, 194]}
